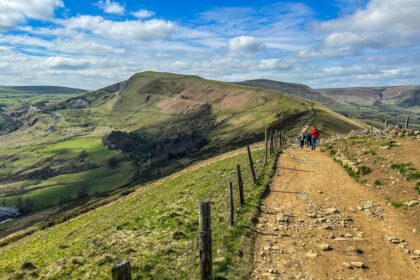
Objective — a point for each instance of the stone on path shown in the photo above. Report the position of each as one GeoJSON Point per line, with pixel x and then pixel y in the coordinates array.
{"type": "Point", "coordinates": [311, 255]}
{"type": "Point", "coordinates": [324, 247]}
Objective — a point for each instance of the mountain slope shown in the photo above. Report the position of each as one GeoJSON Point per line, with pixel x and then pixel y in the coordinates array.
{"type": "Point", "coordinates": [298, 90]}
{"type": "Point", "coordinates": [376, 104]}
{"type": "Point", "coordinates": [155, 227]}
{"type": "Point", "coordinates": [404, 96]}
{"type": "Point", "coordinates": [41, 90]}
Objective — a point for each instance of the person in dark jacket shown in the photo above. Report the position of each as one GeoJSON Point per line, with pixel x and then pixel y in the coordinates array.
{"type": "Point", "coordinates": [308, 139]}
{"type": "Point", "coordinates": [302, 139]}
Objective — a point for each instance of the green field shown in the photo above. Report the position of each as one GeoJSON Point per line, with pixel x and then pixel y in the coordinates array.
{"type": "Point", "coordinates": [156, 227]}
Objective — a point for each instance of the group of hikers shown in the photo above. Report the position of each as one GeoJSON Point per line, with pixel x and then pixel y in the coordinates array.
{"type": "Point", "coordinates": [310, 138]}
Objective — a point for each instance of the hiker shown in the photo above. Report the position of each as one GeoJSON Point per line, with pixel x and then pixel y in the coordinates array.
{"type": "Point", "coordinates": [315, 133]}
{"type": "Point", "coordinates": [302, 138]}
{"type": "Point", "coordinates": [308, 139]}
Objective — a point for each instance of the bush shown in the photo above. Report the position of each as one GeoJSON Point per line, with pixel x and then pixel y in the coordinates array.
{"type": "Point", "coordinates": [377, 183]}
{"type": "Point", "coordinates": [83, 154]}
{"type": "Point", "coordinates": [113, 162]}
{"type": "Point", "coordinates": [365, 170]}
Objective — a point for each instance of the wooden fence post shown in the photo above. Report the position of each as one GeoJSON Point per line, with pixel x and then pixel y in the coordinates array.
{"type": "Point", "coordinates": [271, 142]}
{"type": "Point", "coordinates": [251, 165]}
{"type": "Point", "coordinates": [386, 124]}
{"type": "Point", "coordinates": [407, 119]}
{"type": "Point", "coordinates": [231, 206]}
{"type": "Point", "coordinates": [266, 146]}
{"type": "Point", "coordinates": [206, 271]}
{"type": "Point", "coordinates": [121, 271]}
{"type": "Point", "coordinates": [282, 139]}
{"type": "Point", "coordinates": [279, 139]}
{"type": "Point", "coordinates": [240, 185]}
{"type": "Point", "coordinates": [276, 147]}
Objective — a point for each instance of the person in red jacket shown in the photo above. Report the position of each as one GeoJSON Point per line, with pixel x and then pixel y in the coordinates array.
{"type": "Point", "coordinates": [315, 133]}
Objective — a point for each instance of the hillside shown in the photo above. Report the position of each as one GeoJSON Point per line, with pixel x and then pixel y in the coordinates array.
{"type": "Point", "coordinates": [404, 96]}
{"type": "Point", "coordinates": [148, 126]}
{"type": "Point", "coordinates": [298, 90]}
{"type": "Point", "coordinates": [376, 104]}
{"type": "Point", "coordinates": [41, 90]}
{"type": "Point", "coordinates": [155, 227]}
{"type": "Point", "coordinates": [372, 105]}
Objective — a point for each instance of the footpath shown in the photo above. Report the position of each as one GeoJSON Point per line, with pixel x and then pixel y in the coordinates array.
{"type": "Point", "coordinates": [318, 223]}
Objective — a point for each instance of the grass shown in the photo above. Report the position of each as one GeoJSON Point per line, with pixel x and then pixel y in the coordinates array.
{"type": "Point", "coordinates": [397, 204]}
{"type": "Point", "coordinates": [71, 149]}
{"type": "Point", "coordinates": [48, 193]}
{"type": "Point", "coordinates": [155, 227]}
{"type": "Point", "coordinates": [407, 169]}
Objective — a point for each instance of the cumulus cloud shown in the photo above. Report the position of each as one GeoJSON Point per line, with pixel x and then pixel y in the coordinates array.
{"type": "Point", "coordinates": [13, 13]}
{"type": "Point", "coordinates": [143, 14]}
{"type": "Point", "coordinates": [111, 7]}
{"type": "Point", "coordinates": [66, 63]}
{"type": "Point", "coordinates": [382, 24]}
{"type": "Point", "coordinates": [153, 29]}
{"type": "Point", "coordinates": [274, 64]}
{"type": "Point", "coordinates": [247, 44]}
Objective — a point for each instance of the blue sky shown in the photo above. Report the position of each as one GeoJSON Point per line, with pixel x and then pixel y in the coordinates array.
{"type": "Point", "coordinates": [90, 44]}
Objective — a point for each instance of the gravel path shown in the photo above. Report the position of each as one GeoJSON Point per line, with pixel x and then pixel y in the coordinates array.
{"type": "Point", "coordinates": [318, 223]}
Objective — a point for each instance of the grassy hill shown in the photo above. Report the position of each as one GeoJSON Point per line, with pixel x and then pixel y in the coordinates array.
{"type": "Point", "coordinates": [370, 104]}
{"type": "Point", "coordinates": [155, 227]}
{"type": "Point", "coordinates": [148, 126]}
{"type": "Point", "coordinates": [298, 90]}
{"type": "Point", "coordinates": [41, 90]}
{"type": "Point", "coordinates": [377, 104]}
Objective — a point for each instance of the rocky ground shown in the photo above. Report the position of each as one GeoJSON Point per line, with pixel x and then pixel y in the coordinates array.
{"type": "Point", "coordinates": [319, 223]}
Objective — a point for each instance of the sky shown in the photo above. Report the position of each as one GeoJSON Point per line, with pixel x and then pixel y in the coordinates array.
{"type": "Point", "coordinates": [94, 43]}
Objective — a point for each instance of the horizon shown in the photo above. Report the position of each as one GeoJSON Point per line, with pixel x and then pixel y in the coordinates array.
{"type": "Point", "coordinates": [95, 89]}
{"type": "Point", "coordinates": [91, 45]}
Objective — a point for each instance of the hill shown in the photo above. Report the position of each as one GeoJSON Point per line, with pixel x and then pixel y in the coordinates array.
{"type": "Point", "coordinates": [376, 104]}
{"type": "Point", "coordinates": [41, 90]}
{"type": "Point", "coordinates": [298, 90]}
{"type": "Point", "coordinates": [373, 105]}
{"type": "Point", "coordinates": [146, 127]}
{"type": "Point", "coordinates": [404, 96]}
{"type": "Point", "coordinates": [155, 227]}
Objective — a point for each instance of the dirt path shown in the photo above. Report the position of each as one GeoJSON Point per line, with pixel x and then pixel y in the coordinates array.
{"type": "Point", "coordinates": [317, 220]}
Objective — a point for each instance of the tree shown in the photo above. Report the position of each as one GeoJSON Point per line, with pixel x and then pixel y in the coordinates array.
{"type": "Point", "coordinates": [29, 204]}
{"type": "Point", "coordinates": [113, 162]}
{"type": "Point", "coordinates": [83, 154]}
{"type": "Point", "coordinates": [83, 192]}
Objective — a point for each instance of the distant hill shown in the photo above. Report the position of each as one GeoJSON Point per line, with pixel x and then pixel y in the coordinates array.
{"type": "Point", "coordinates": [376, 104]}
{"type": "Point", "coordinates": [404, 96]}
{"type": "Point", "coordinates": [41, 89]}
{"type": "Point", "coordinates": [294, 89]}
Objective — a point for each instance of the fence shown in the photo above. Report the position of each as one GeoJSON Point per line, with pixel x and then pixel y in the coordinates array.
{"type": "Point", "coordinates": [274, 141]}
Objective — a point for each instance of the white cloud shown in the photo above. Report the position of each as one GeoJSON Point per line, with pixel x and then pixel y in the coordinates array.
{"type": "Point", "coordinates": [153, 29]}
{"type": "Point", "coordinates": [382, 24]}
{"type": "Point", "coordinates": [143, 14]}
{"type": "Point", "coordinates": [65, 63]}
{"type": "Point", "coordinates": [14, 12]}
{"type": "Point", "coordinates": [245, 44]}
{"type": "Point", "coordinates": [111, 7]}
{"type": "Point", "coordinates": [274, 64]}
